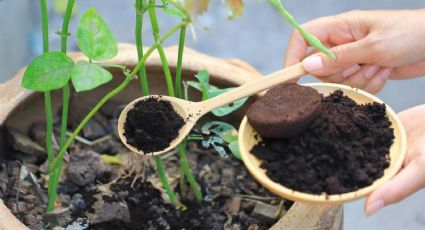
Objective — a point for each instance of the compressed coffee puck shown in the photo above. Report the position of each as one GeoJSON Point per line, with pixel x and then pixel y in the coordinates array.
{"type": "Point", "coordinates": [285, 110]}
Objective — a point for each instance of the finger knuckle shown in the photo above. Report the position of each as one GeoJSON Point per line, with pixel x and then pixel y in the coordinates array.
{"type": "Point", "coordinates": [376, 48]}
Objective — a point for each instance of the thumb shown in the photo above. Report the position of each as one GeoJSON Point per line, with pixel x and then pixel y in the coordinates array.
{"type": "Point", "coordinates": [407, 182]}
{"type": "Point", "coordinates": [346, 55]}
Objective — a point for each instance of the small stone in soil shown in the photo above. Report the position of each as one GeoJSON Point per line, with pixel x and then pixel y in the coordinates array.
{"type": "Point", "coordinates": [59, 216]}
{"type": "Point", "coordinates": [232, 205]}
{"type": "Point", "coordinates": [24, 144]}
{"type": "Point", "coordinates": [78, 203]}
{"type": "Point", "coordinates": [110, 211]}
{"type": "Point", "coordinates": [265, 212]}
{"type": "Point", "coordinates": [93, 130]}
{"type": "Point", "coordinates": [85, 167]}
{"type": "Point", "coordinates": [346, 148]}
{"type": "Point", "coordinates": [152, 124]}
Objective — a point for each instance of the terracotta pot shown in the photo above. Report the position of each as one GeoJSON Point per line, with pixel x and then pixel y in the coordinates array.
{"type": "Point", "coordinates": [19, 108]}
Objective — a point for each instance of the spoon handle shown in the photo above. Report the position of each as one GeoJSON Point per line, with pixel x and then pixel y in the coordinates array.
{"type": "Point", "coordinates": [253, 87]}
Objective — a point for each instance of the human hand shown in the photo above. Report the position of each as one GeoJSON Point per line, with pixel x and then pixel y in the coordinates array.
{"type": "Point", "coordinates": [411, 177]}
{"type": "Point", "coordinates": [370, 47]}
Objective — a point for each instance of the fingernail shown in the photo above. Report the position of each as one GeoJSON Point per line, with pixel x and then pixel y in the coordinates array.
{"type": "Point", "coordinates": [374, 207]}
{"type": "Point", "coordinates": [369, 71]}
{"type": "Point", "coordinates": [313, 63]}
{"type": "Point", "coordinates": [384, 74]}
{"type": "Point", "coordinates": [350, 70]}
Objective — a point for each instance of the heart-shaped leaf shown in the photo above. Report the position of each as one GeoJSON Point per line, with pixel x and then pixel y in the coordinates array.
{"type": "Point", "coordinates": [48, 72]}
{"type": "Point", "coordinates": [86, 76]}
{"type": "Point", "coordinates": [95, 38]}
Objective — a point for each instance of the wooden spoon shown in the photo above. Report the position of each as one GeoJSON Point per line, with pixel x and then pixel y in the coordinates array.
{"type": "Point", "coordinates": [192, 111]}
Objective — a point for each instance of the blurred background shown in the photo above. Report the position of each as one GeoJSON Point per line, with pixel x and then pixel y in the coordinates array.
{"type": "Point", "coordinates": [259, 37]}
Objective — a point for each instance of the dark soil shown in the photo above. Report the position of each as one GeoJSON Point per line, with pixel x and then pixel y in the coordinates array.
{"type": "Point", "coordinates": [152, 124]}
{"type": "Point", "coordinates": [95, 195]}
{"type": "Point", "coordinates": [346, 148]}
{"type": "Point", "coordinates": [285, 110]}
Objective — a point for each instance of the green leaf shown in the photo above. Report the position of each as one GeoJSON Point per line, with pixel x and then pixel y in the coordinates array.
{"type": "Point", "coordinates": [218, 128]}
{"type": "Point", "coordinates": [312, 40]}
{"type": "Point", "coordinates": [48, 72]}
{"type": "Point", "coordinates": [203, 79]}
{"type": "Point", "coordinates": [234, 148]}
{"type": "Point", "coordinates": [86, 76]}
{"type": "Point", "coordinates": [95, 38]}
{"type": "Point", "coordinates": [236, 8]}
{"type": "Point", "coordinates": [227, 109]}
{"type": "Point", "coordinates": [175, 12]}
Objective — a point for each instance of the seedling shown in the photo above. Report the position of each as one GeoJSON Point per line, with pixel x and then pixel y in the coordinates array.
{"type": "Point", "coordinates": [53, 70]}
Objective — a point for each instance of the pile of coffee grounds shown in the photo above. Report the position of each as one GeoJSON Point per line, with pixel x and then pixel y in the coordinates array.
{"type": "Point", "coordinates": [286, 110]}
{"type": "Point", "coordinates": [152, 124]}
{"type": "Point", "coordinates": [346, 148]}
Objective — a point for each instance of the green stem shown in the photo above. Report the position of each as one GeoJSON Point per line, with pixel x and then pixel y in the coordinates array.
{"type": "Point", "coordinates": [47, 103]}
{"type": "Point", "coordinates": [44, 25]}
{"type": "Point", "coordinates": [166, 68]}
{"type": "Point", "coordinates": [312, 40]}
{"type": "Point", "coordinates": [66, 93]}
{"type": "Point", "coordinates": [138, 33]}
{"type": "Point", "coordinates": [188, 172]}
{"type": "Point", "coordinates": [115, 91]}
{"type": "Point", "coordinates": [56, 172]}
{"type": "Point", "coordinates": [161, 172]}
{"type": "Point", "coordinates": [194, 138]}
{"type": "Point", "coordinates": [179, 62]}
{"type": "Point", "coordinates": [87, 118]}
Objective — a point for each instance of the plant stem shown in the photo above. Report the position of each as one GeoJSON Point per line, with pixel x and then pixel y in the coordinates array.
{"type": "Point", "coordinates": [87, 118]}
{"type": "Point", "coordinates": [145, 91]}
{"type": "Point", "coordinates": [186, 168]}
{"type": "Point", "coordinates": [155, 28]}
{"type": "Point", "coordinates": [64, 41]}
{"type": "Point", "coordinates": [56, 172]}
{"type": "Point", "coordinates": [161, 172]}
{"type": "Point", "coordinates": [138, 33]}
{"type": "Point", "coordinates": [44, 25]}
{"type": "Point", "coordinates": [49, 127]}
{"type": "Point", "coordinates": [113, 93]}
{"type": "Point", "coordinates": [47, 99]}
{"type": "Point", "coordinates": [179, 62]}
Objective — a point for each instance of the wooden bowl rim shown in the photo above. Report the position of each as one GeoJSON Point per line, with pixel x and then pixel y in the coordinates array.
{"type": "Point", "coordinates": [287, 193]}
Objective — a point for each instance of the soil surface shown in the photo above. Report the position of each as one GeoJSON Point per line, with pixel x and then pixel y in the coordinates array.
{"type": "Point", "coordinates": [96, 192]}
{"type": "Point", "coordinates": [285, 110]}
{"type": "Point", "coordinates": [346, 148]}
{"type": "Point", "coordinates": [152, 124]}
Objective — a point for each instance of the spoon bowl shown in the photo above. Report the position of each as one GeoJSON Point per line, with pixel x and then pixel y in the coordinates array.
{"type": "Point", "coordinates": [192, 111]}
{"type": "Point", "coordinates": [248, 138]}
{"type": "Point", "coordinates": [186, 110]}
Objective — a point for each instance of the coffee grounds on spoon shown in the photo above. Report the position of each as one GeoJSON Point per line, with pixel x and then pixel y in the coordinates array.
{"type": "Point", "coordinates": [346, 148]}
{"type": "Point", "coordinates": [152, 124]}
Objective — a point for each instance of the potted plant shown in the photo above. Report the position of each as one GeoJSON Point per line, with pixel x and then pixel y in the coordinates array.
{"type": "Point", "coordinates": [123, 175]}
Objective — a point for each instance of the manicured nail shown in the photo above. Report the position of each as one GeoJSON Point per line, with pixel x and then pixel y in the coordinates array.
{"type": "Point", "coordinates": [350, 70]}
{"type": "Point", "coordinates": [384, 73]}
{"type": "Point", "coordinates": [313, 63]}
{"type": "Point", "coordinates": [374, 207]}
{"type": "Point", "coordinates": [369, 71]}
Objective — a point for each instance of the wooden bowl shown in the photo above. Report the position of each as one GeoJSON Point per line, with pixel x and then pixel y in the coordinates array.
{"type": "Point", "coordinates": [247, 140]}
